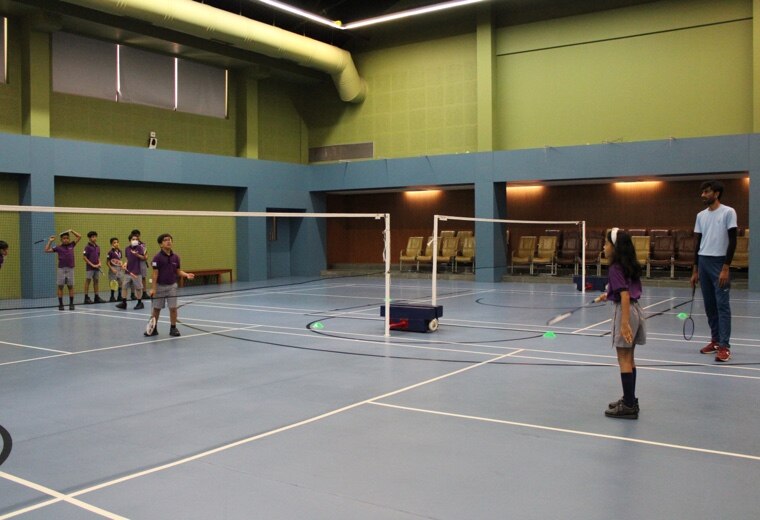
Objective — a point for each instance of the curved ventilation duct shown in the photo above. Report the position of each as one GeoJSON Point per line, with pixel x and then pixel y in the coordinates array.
{"type": "Point", "coordinates": [208, 22]}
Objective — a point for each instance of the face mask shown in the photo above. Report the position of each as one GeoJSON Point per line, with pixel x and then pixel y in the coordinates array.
{"type": "Point", "coordinates": [135, 243]}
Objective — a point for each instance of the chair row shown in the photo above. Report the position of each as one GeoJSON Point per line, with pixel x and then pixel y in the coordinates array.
{"type": "Point", "coordinates": [452, 251]}
{"type": "Point", "coordinates": [536, 252]}
{"type": "Point", "coordinates": [652, 251]}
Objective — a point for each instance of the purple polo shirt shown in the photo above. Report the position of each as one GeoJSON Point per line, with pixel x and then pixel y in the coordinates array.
{"type": "Point", "coordinates": [133, 263]}
{"type": "Point", "coordinates": [167, 266]}
{"type": "Point", "coordinates": [65, 254]}
{"type": "Point", "coordinates": [114, 257]}
{"type": "Point", "coordinates": [92, 253]}
{"type": "Point", "coordinates": [618, 282]}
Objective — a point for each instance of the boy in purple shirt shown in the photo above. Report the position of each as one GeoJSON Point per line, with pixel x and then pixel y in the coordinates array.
{"type": "Point", "coordinates": [115, 268]}
{"type": "Point", "coordinates": [65, 272]}
{"type": "Point", "coordinates": [166, 269]}
{"type": "Point", "coordinates": [135, 256]}
{"type": "Point", "coordinates": [92, 271]}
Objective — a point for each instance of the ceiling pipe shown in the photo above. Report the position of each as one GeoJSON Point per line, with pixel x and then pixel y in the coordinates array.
{"type": "Point", "coordinates": [204, 21]}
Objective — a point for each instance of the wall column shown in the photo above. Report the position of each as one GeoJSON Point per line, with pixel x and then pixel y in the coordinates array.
{"type": "Point", "coordinates": [247, 115]}
{"type": "Point", "coordinates": [36, 81]}
{"type": "Point", "coordinates": [485, 77]}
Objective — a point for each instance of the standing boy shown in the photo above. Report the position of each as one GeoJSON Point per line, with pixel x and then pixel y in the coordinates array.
{"type": "Point", "coordinates": [65, 272]}
{"type": "Point", "coordinates": [144, 264]}
{"type": "Point", "coordinates": [133, 280]}
{"type": "Point", "coordinates": [92, 271]}
{"type": "Point", "coordinates": [715, 233]}
{"type": "Point", "coordinates": [115, 269]}
{"type": "Point", "coordinates": [166, 269]}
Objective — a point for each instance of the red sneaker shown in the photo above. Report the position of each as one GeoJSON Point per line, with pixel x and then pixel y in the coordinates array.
{"type": "Point", "coordinates": [724, 354]}
{"type": "Point", "coordinates": [710, 348]}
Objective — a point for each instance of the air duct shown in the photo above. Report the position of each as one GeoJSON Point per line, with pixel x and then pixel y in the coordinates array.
{"type": "Point", "coordinates": [204, 21]}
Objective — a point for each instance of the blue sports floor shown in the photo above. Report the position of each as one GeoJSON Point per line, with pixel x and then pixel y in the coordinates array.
{"type": "Point", "coordinates": [252, 415]}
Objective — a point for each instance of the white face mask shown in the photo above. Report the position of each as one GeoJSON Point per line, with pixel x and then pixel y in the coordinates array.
{"type": "Point", "coordinates": [135, 243]}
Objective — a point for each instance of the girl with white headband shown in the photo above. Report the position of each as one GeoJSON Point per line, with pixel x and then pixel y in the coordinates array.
{"type": "Point", "coordinates": [628, 329]}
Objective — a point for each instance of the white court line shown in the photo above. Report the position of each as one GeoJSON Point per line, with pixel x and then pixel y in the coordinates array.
{"type": "Point", "coordinates": [573, 432]}
{"type": "Point", "coordinates": [381, 340]}
{"type": "Point", "coordinates": [59, 497]}
{"type": "Point", "coordinates": [33, 348]}
{"type": "Point", "coordinates": [253, 438]}
{"type": "Point", "coordinates": [125, 345]}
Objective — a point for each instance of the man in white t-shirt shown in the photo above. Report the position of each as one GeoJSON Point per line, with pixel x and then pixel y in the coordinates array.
{"type": "Point", "coordinates": [715, 233]}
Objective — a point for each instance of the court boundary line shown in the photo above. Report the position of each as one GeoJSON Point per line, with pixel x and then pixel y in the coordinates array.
{"type": "Point", "coordinates": [755, 458]}
{"type": "Point", "coordinates": [57, 497]}
{"type": "Point", "coordinates": [247, 440]}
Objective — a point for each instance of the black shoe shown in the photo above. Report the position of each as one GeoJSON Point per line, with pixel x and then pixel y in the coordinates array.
{"type": "Point", "coordinates": [61, 307]}
{"type": "Point", "coordinates": [139, 305]}
{"type": "Point", "coordinates": [87, 300]}
{"type": "Point", "coordinates": [98, 299]}
{"type": "Point", "coordinates": [122, 305]}
{"type": "Point", "coordinates": [621, 411]}
{"type": "Point", "coordinates": [71, 306]}
{"type": "Point", "coordinates": [112, 299]}
{"type": "Point", "coordinates": [174, 332]}
{"type": "Point", "coordinates": [615, 403]}
{"type": "Point", "coordinates": [154, 333]}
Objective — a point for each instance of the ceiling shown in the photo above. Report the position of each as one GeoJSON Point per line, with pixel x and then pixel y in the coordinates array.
{"type": "Point", "coordinates": [508, 12]}
{"type": "Point", "coordinates": [56, 15]}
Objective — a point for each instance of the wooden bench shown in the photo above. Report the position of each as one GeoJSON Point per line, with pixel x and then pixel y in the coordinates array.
{"type": "Point", "coordinates": [208, 273]}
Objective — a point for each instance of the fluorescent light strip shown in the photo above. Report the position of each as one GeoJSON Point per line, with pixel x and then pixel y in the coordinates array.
{"type": "Point", "coordinates": [300, 12]}
{"type": "Point", "coordinates": [410, 12]}
{"type": "Point", "coordinates": [335, 24]}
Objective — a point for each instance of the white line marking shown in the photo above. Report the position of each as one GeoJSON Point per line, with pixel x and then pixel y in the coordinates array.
{"type": "Point", "coordinates": [33, 348]}
{"type": "Point", "coordinates": [282, 429]}
{"type": "Point", "coordinates": [573, 432]}
{"type": "Point", "coordinates": [58, 498]}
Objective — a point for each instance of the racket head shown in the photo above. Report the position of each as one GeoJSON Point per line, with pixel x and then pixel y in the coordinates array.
{"type": "Point", "coordinates": [114, 285]}
{"type": "Point", "coordinates": [7, 444]}
{"type": "Point", "coordinates": [151, 326]}
{"type": "Point", "coordinates": [688, 328]}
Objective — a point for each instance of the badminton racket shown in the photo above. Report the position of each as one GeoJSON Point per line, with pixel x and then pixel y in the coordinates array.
{"type": "Point", "coordinates": [7, 444]}
{"type": "Point", "coordinates": [567, 314]}
{"type": "Point", "coordinates": [151, 326]}
{"type": "Point", "coordinates": [688, 324]}
{"type": "Point", "coordinates": [114, 285]}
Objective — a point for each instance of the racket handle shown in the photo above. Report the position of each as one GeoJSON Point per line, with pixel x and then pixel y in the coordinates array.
{"type": "Point", "coordinates": [559, 318]}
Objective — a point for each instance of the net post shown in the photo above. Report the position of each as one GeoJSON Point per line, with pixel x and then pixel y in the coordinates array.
{"type": "Point", "coordinates": [387, 255]}
{"type": "Point", "coordinates": [435, 260]}
{"type": "Point", "coordinates": [583, 257]}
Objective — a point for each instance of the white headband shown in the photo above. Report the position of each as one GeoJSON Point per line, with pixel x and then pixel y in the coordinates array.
{"type": "Point", "coordinates": [613, 235]}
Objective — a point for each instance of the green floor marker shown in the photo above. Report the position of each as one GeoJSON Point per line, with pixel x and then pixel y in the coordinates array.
{"type": "Point", "coordinates": [682, 315]}
{"type": "Point", "coordinates": [318, 325]}
{"type": "Point", "coordinates": [549, 334]}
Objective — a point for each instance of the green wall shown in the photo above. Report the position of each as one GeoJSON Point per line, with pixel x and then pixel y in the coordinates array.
{"type": "Point", "coordinates": [201, 242]}
{"type": "Point", "coordinates": [282, 134]}
{"type": "Point", "coordinates": [10, 278]}
{"type": "Point", "coordinates": [421, 100]}
{"type": "Point", "coordinates": [669, 69]}
{"type": "Point", "coordinates": [102, 121]}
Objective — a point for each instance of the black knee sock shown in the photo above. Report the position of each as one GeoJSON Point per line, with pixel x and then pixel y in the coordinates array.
{"type": "Point", "coordinates": [629, 388]}
{"type": "Point", "coordinates": [71, 300]}
{"type": "Point", "coordinates": [60, 301]}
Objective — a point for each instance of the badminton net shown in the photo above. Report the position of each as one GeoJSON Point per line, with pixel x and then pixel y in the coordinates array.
{"type": "Point", "coordinates": [227, 250]}
{"type": "Point", "coordinates": [549, 242]}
